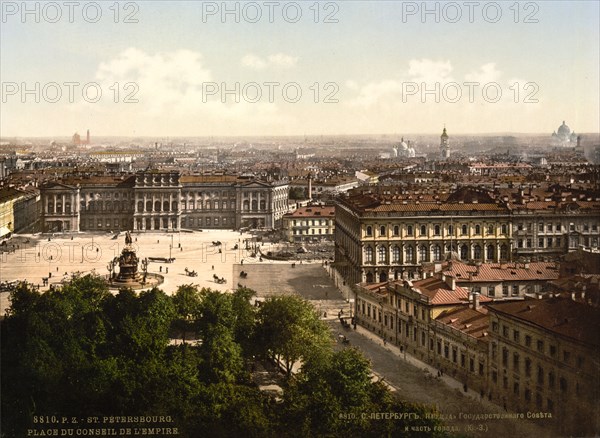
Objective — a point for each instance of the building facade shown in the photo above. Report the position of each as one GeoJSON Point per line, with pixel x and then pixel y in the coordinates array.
{"type": "Point", "coordinates": [162, 200]}
{"type": "Point", "coordinates": [434, 320]}
{"type": "Point", "coordinates": [391, 233]}
{"type": "Point", "coordinates": [545, 357]}
{"type": "Point", "coordinates": [381, 237]}
{"type": "Point", "coordinates": [307, 224]}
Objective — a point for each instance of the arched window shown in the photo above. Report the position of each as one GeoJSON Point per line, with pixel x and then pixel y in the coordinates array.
{"type": "Point", "coordinates": [437, 253]}
{"type": "Point", "coordinates": [450, 229]}
{"type": "Point", "coordinates": [423, 230]}
{"type": "Point", "coordinates": [490, 229]}
{"type": "Point", "coordinates": [464, 252]}
{"type": "Point", "coordinates": [369, 231]}
{"type": "Point", "coordinates": [382, 256]}
{"type": "Point", "coordinates": [409, 230]}
{"type": "Point", "coordinates": [165, 206]}
{"type": "Point", "coordinates": [263, 204]}
{"type": "Point", "coordinates": [504, 229]}
{"type": "Point", "coordinates": [382, 277]}
{"type": "Point", "coordinates": [254, 205]}
{"type": "Point", "coordinates": [368, 254]}
{"type": "Point", "coordinates": [395, 254]}
{"type": "Point", "coordinates": [464, 229]}
{"type": "Point", "coordinates": [477, 229]}
{"type": "Point", "coordinates": [157, 207]}
{"type": "Point", "coordinates": [503, 252]}
{"type": "Point", "coordinates": [382, 231]}
{"type": "Point", "coordinates": [410, 254]}
{"type": "Point", "coordinates": [246, 205]}
{"type": "Point", "coordinates": [436, 230]}
{"type": "Point", "coordinates": [369, 277]}
{"type": "Point", "coordinates": [490, 252]}
{"type": "Point", "coordinates": [396, 230]}
{"type": "Point", "coordinates": [477, 252]}
{"type": "Point", "coordinates": [422, 253]}
{"type": "Point", "coordinates": [174, 206]}
{"type": "Point", "coordinates": [148, 208]}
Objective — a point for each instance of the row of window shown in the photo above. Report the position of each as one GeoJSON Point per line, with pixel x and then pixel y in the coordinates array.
{"type": "Point", "coordinates": [437, 230]}
{"type": "Point", "coordinates": [539, 345]}
{"type": "Point", "coordinates": [105, 223]}
{"type": "Point", "coordinates": [199, 222]}
{"type": "Point", "coordinates": [436, 253]}
{"type": "Point", "coordinates": [556, 228]}
{"type": "Point", "coordinates": [305, 232]}
{"type": "Point", "coordinates": [312, 222]}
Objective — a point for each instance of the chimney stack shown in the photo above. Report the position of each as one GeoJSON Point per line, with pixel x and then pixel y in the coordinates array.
{"type": "Point", "coordinates": [475, 301]}
{"type": "Point", "coordinates": [453, 283]}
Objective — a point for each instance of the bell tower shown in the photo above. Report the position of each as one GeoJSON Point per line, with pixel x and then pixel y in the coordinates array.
{"type": "Point", "coordinates": [444, 145]}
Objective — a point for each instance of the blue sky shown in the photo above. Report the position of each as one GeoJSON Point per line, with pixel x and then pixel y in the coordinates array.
{"type": "Point", "coordinates": [373, 64]}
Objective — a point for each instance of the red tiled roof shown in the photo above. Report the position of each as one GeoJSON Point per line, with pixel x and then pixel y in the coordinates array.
{"type": "Point", "coordinates": [440, 293]}
{"type": "Point", "coordinates": [310, 212]}
{"type": "Point", "coordinates": [502, 271]}
{"type": "Point", "coordinates": [562, 316]}
{"type": "Point", "coordinates": [468, 320]}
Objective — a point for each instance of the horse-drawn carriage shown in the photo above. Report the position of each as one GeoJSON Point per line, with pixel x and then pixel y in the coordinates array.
{"type": "Point", "coordinates": [190, 273]}
{"type": "Point", "coordinates": [219, 280]}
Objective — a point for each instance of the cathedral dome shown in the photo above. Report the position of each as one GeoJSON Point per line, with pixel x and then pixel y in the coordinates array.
{"type": "Point", "coordinates": [564, 130]}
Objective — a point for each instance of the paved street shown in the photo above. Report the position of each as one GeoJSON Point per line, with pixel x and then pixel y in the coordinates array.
{"type": "Point", "coordinates": [415, 381]}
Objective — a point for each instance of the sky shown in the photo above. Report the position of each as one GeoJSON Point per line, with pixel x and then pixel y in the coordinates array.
{"type": "Point", "coordinates": [298, 68]}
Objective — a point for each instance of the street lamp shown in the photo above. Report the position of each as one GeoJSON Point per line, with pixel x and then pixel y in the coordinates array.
{"type": "Point", "coordinates": [145, 268]}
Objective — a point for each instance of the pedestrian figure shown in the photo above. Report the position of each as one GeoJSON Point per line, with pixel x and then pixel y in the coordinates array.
{"type": "Point", "coordinates": [213, 267]}
{"type": "Point", "coordinates": [158, 241]}
{"type": "Point", "coordinates": [182, 248]}
{"type": "Point", "coordinates": [57, 269]}
{"type": "Point", "coordinates": [160, 269]}
{"type": "Point", "coordinates": [136, 239]}
{"type": "Point", "coordinates": [167, 270]}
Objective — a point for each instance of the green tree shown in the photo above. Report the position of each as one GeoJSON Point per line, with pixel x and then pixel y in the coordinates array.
{"type": "Point", "coordinates": [290, 330]}
{"type": "Point", "coordinates": [187, 301]}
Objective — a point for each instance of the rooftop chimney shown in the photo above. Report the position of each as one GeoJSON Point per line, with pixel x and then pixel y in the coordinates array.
{"type": "Point", "coordinates": [475, 301]}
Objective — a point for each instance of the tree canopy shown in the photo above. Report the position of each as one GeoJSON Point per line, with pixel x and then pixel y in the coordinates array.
{"type": "Point", "coordinates": [81, 351]}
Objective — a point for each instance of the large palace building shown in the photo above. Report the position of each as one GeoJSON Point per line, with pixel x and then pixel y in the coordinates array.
{"type": "Point", "coordinates": [161, 200]}
{"type": "Point", "coordinates": [388, 233]}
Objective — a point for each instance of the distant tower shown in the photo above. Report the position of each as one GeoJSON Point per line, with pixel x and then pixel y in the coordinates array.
{"type": "Point", "coordinates": [310, 186]}
{"type": "Point", "coordinates": [87, 138]}
{"type": "Point", "coordinates": [444, 145]}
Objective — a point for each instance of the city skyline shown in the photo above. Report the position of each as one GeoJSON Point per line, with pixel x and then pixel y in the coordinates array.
{"type": "Point", "coordinates": [181, 63]}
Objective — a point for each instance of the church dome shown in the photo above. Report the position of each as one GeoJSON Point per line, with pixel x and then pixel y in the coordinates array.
{"type": "Point", "coordinates": [444, 134]}
{"type": "Point", "coordinates": [564, 130]}
{"type": "Point", "coordinates": [403, 145]}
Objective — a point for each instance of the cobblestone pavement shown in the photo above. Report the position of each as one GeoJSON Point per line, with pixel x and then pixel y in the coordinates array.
{"type": "Point", "coordinates": [415, 381]}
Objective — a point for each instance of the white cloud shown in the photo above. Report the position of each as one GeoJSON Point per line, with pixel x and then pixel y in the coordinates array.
{"type": "Point", "coordinates": [283, 60]}
{"type": "Point", "coordinates": [254, 62]}
{"type": "Point", "coordinates": [485, 74]}
{"type": "Point", "coordinates": [280, 60]}
{"type": "Point", "coordinates": [429, 71]}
